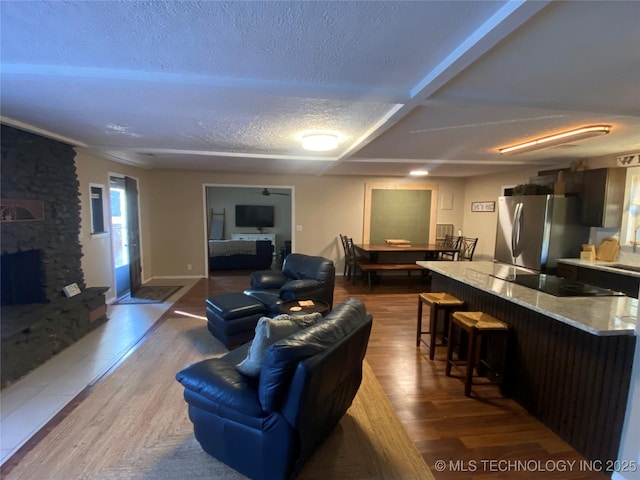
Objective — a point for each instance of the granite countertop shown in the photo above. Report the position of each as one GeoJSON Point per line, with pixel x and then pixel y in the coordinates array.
{"type": "Point", "coordinates": [596, 315]}
{"type": "Point", "coordinates": [600, 265]}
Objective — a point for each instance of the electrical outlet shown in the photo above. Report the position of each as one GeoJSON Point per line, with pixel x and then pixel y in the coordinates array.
{"type": "Point", "coordinates": [298, 228]}
{"type": "Point", "coordinates": [189, 266]}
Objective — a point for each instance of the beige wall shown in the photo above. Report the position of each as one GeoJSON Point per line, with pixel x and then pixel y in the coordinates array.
{"type": "Point", "coordinates": [322, 206]}
{"type": "Point", "coordinates": [173, 221]}
{"type": "Point", "coordinates": [172, 215]}
{"type": "Point", "coordinates": [487, 188]}
{"type": "Point", "coordinates": [97, 262]}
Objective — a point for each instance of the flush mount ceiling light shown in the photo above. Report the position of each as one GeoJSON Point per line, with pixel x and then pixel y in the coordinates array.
{"type": "Point", "coordinates": [320, 142]}
{"type": "Point", "coordinates": [418, 173]}
{"type": "Point", "coordinates": [559, 138]}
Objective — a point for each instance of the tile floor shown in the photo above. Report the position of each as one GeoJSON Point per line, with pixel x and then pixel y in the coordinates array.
{"type": "Point", "coordinates": [30, 403]}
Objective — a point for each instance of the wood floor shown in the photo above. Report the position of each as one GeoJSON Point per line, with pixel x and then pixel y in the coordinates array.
{"type": "Point", "coordinates": [486, 436]}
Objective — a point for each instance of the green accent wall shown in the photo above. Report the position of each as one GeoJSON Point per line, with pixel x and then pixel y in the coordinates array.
{"type": "Point", "coordinates": [400, 214]}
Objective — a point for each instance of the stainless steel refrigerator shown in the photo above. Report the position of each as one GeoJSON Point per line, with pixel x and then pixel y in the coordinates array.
{"type": "Point", "coordinates": [534, 231]}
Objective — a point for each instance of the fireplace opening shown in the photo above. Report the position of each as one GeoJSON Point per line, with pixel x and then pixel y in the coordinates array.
{"type": "Point", "coordinates": [22, 278]}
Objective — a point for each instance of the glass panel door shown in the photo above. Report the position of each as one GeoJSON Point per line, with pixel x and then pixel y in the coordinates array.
{"type": "Point", "coordinates": [119, 235]}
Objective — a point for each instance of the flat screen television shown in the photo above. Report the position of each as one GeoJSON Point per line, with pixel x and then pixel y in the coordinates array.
{"type": "Point", "coordinates": [254, 215]}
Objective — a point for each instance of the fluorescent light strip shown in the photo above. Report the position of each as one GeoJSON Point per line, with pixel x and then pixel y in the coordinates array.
{"type": "Point", "coordinates": [559, 138]}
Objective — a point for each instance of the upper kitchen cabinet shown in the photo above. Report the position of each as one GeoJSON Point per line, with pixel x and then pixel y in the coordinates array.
{"type": "Point", "coordinates": [603, 197]}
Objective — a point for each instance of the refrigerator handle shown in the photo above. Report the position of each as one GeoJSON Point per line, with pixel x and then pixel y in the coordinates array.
{"type": "Point", "coordinates": [515, 233]}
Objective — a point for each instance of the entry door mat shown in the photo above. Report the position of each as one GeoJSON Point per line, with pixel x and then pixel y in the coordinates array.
{"type": "Point", "coordinates": [150, 294]}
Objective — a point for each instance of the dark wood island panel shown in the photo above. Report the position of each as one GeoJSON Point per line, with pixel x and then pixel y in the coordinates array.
{"type": "Point", "coordinates": [574, 382]}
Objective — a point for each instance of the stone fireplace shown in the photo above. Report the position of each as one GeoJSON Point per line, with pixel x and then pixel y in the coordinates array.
{"type": "Point", "coordinates": [41, 254]}
{"type": "Point", "coordinates": [22, 278]}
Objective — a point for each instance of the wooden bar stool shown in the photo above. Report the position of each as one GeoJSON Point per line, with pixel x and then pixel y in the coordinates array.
{"type": "Point", "coordinates": [438, 302]}
{"type": "Point", "coordinates": [479, 327]}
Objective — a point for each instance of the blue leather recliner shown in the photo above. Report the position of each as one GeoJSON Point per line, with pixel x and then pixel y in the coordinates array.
{"type": "Point", "coordinates": [302, 277]}
{"type": "Point", "coordinates": [267, 427]}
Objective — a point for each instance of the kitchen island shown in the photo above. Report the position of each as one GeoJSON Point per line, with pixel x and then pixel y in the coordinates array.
{"type": "Point", "coordinates": [569, 358]}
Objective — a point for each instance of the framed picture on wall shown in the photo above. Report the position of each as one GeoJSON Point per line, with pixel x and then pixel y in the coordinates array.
{"type": "Point", "coordinates": [483, 206]}
{"type": "Point", "coordinates": [21, 210]}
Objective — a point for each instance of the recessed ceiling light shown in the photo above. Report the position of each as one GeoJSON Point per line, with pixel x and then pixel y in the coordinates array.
{"type": "Point", "coordinates": [320, 142]}
{"type": "Point", "coordinates": [418, 173]}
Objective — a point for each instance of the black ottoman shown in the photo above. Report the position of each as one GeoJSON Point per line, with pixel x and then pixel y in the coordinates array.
{"type": "Point", "coordinates": [232, 317]}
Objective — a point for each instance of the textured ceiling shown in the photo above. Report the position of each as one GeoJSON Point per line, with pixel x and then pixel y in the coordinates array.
{"type": "Point", "coordinates": [231, 86]}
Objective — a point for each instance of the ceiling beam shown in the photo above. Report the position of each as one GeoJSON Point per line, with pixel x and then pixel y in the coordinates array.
{"type": "Point", "coordinates": [501, 24]}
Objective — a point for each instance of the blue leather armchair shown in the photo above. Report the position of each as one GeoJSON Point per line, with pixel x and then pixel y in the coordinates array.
{"type": "Point", "coordinates": [302, 277]}
{"type": "Point", "coordinates": [267, 427]}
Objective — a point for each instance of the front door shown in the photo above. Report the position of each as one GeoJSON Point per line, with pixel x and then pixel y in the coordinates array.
{"type": "Point", "coordinates": [119, 235]}
{"type": "Point", "coordinates": [133, 237]}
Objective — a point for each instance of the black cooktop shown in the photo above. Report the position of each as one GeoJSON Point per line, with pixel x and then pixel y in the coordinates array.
{"type": "Point", "coordinates": [561, 287]}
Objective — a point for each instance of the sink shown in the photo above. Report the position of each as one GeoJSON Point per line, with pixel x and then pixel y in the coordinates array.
{"type": "Point", "coordinates": [631, 268]}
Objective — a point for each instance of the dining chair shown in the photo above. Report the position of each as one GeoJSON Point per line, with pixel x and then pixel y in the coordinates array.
{"type": "Point", "coordinates": [351, 259]}
{"type": "Point", "coordinates": [355, 260]}
{"type": "Point", "coordinates": [450, 241]}
{"type": "Point", "coordinates": [345, 248]}
{"type": "Point", "coordinates": [442, 231]}
{"type": "Point", "coordinates": [466, 247]}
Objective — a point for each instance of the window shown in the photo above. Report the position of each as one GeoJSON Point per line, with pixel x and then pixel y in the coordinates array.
{"type": "Point", "coordinates": [119, 226]}
{"type": "Point", "coordinates": [97, 209]}
{"type": "Point", "coordinates": [631, 218]}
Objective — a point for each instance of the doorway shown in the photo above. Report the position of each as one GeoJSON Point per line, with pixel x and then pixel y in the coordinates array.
{"type": "Point", "coordinates": [125, 236]}
{"type": "Point", "coordinates": [220, 202]}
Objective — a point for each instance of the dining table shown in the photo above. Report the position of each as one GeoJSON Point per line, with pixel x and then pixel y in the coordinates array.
{"type": "Point", "coordinates": [431, 251]}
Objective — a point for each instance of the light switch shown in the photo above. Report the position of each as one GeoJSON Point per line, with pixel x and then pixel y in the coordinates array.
{"type": "Point", "coordinates": [298, 228]}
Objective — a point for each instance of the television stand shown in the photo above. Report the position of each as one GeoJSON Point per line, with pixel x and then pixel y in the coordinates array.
{"type": "Point", "coordinates": [255, 236]}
